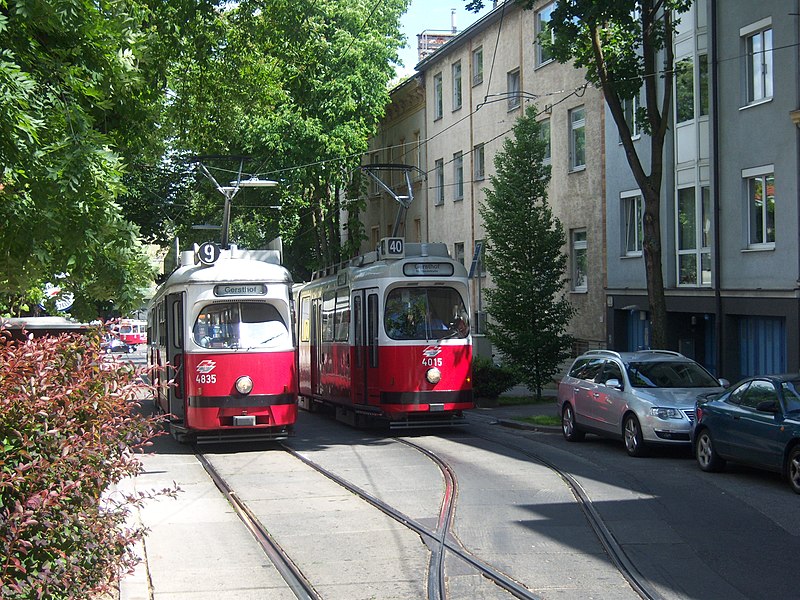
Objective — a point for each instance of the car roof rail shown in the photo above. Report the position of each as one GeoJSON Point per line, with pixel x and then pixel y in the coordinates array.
{"type": "Point", "coordinates": [659, 351]}
{"type": "Point", "coordinates": [601, 352]}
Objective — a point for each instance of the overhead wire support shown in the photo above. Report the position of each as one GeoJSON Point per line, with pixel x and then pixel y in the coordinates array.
{"type": "Point", "coordinates": [403, 200]}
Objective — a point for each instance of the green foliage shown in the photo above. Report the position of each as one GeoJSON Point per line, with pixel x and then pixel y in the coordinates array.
{"type": "Point", "coordinates": [529, 312]}
{"type": "Point", "coordinates": [72, 100]}
{"type": "Point", "coordinates": [68, 425]}
{"type": "Point", "coordinates": [490, 380]}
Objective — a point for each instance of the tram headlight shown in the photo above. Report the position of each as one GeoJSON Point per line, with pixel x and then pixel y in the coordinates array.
{"type": "Point", "coordinates": [433, 375]}
{"type": "Point", "coordinates": [244, 385]}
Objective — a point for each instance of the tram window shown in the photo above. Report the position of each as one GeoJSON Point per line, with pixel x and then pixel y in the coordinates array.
{"type": "Point", "coordinates": [425, 314]}
{"type": "Point", "coordinates": [305, 319]}
{"type": "Point", "coordinates": [240, 325]}
{"type": "Point", "coordinates": [342, 315]}
{"type": "Point", "coordinates": [328, 313]}
{"type": "Point", "coordinates": [372, 332]}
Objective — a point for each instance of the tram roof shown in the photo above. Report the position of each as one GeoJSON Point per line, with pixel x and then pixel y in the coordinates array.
{"type": "Point", "coordinates": [233, 265]}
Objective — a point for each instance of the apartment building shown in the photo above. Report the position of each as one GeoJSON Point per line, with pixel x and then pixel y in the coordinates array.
{"type": "Point", "coordinates": [475, 87]}
{"type": "Point", "coordinates": [731, 250]}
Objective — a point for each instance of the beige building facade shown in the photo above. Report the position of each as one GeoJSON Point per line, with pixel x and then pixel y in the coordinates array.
{"type": "Point", "coordinates": [473, 90]}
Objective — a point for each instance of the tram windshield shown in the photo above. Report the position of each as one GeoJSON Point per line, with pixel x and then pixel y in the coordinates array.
{"type": "Point", "coordinates": [240, 325]}
{"type": "Point", "coordinates": [425, 313]}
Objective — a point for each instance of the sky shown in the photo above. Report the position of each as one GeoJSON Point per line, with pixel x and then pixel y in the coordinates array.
{"type": "Point", "coordinates": [432, 15]}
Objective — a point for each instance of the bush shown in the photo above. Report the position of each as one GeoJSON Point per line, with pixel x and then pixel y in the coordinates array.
{"type": "Point", "coordinates": [490, 380]}
{"type": "Point", "coordinates": [69, 423]}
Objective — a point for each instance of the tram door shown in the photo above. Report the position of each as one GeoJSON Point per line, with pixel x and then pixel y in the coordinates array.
{"type": "Point", "coordinates": [175, 354]}
{"type": "Point", "coordinates": [366, 321]}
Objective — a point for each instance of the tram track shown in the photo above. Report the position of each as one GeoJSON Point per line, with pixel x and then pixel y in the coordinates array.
{"type": "Point", "coordinates": [613, 549]}
{"type": "Point", "coordinates": [439, 539]}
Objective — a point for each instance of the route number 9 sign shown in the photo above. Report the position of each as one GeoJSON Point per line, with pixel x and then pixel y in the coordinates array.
{"type": "Point", "coordinates": [208, 253]}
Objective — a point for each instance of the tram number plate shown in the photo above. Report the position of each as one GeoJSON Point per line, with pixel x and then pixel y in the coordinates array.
{"type": "Point", "coordinates": [436, 407]}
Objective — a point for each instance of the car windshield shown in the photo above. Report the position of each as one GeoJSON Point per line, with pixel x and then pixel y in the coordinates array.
{"type": "Point", "coordinates": [425, 314]}
{"type": "Point", "coordinates": [791, 395]}
{"type": "Point", "coordinates": [669, 374]}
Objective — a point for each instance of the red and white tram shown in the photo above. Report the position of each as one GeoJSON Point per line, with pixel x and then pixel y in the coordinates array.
{"type": "Point", "coordinates": [387, 336]}
{"type": "Point", "coordinates": [132, 331]}
{"type": "Point", "coordinates": [220, 333]}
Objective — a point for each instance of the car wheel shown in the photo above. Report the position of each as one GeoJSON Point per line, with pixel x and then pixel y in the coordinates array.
{"type": "Point", "coordinates": [632, 435]}
{"type": "Point", "coordinates": [707, 457]}
{"type": "Point", "coordinates": [793, 469]}
{"type": "Point", "coordinates": [572, 433]}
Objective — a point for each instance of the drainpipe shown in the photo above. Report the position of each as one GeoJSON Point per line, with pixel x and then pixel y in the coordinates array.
{"type": "Point", "coordinates": [717, 279]}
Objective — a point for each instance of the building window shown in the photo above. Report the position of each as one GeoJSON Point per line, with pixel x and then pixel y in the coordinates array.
{"type": "Point", "coordinates": [758, 57]}
{"type": "Point", "coordinates": [761, 208]}
{"type": "Point", "coordinates": [438, 193]}
{"type": "Point", "coordinates": [374, 159]}
{"type": "Point", "coordinates": [544, 134]}
{"type": "Point", "coordinates": [437, 96]}
{"type": "Point", "coordinates": [458, 252]}
{"type": "Point", "coordinates": [632, 213]}
{"type": "Point", "coordinates": [577, 138]}
{"type": "Point", "coordinates": [702, 61]}
{"type": "Point", "coordinates": [694, 237]}
{"type": "Point", "coordinates": [416, 153]}
{"type": "Point", "coordinates": [375, 235]}
{"type": "Point", "coordinates": [630, 107]}
{"type": "Point", "coordinates": [478, 159]}
{"type": "Point", "coordinates": [579, 257]}
{"type": "Point", "coordinates": [684, 90]}
{"type": "Point", "coordinates": [457, 96]}
{"type": "Point", "coordinates": [458, 175]}
{"type": "Point", "coordinates": [513, 89]}
{"type": "Point", "coordinates": [544, 32]}
{"type": "Point", "coordinates": [477, 66]}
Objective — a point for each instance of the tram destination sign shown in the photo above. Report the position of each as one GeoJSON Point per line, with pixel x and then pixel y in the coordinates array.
{"type": "Point", "coordinates": [240, 289]}
{"type": "Point", "coordinates": [428, 269]}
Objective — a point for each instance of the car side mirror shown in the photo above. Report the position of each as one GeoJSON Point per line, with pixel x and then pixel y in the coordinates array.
{"type": "Point", "coordinates": [769, 406]}
{"type": "Point", "coordinates": [614, 382]}
{"type": "Point", "coordinates": [724, 382]}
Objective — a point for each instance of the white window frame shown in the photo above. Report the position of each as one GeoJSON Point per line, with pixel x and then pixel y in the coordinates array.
{"type": "Point", "coordinates": [438, 107]}
{"type": "Point", "coordinates": [632, 203]}
{"type": "Point", "coordinates": [700, 236]}
{"type": "Point", "coordinates": [577, 128]}
{"type": "Point", "coordinates": [759, 64]}
{"type": "Point", "coordinates": [763, 174]}
{"type": "Point", "coordinates": [477, 66]}
{"type": "Point", "coordinates": [514, 88]}
{"type": "Point", "coordinates": [458, 176]}
{"type": "Point", "coordinates": [542, 18]}
{"type": "Point", "coordinates": [629, 108]}
{"type": "Point", "coordinates": [479, 162]}
{"type": "Point", "coordinates": [580, 248]}
{"type": "Point", "coordinates": [545, 132]}
{"type": "Point", "coordinates": [438, 193]}
{"type": "Point", "coordinates": [458, 96]}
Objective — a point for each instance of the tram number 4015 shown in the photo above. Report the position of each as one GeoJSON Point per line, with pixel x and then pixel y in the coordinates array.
{"type": "Point", "coordinates": [206, 378]}
{"type": "Point", "coordinates": [432, 362]}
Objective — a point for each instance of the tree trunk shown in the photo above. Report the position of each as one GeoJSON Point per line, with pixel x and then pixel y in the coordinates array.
{"type": "Point", "coordinates": [651, 246]}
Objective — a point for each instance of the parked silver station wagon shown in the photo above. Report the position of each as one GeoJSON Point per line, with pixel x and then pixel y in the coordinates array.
{"type": "Point", "coordinates": [643, 397]}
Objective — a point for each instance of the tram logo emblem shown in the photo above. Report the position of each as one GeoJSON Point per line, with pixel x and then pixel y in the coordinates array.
{"type": "Point", "coordinates": [432, 351]}
{"type": "Point", "coordinates": [206, 366]}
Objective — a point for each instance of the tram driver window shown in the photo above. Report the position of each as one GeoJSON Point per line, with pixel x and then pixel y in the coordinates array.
{"type": "Point", "coordinates": [425, 314]}
{"type": "Point", "coordinates": [240, 325]}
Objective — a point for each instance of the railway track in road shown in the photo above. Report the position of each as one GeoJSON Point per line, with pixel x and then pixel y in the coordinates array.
{"type": "Point", "coordinates": [438, 538]}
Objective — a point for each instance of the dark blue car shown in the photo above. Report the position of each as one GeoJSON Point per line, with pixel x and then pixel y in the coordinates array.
{"type": "Point", "coordinates": [755, 422]}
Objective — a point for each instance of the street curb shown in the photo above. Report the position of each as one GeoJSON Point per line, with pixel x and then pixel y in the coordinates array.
{"type": "Point", "coordinates": [511, 424]}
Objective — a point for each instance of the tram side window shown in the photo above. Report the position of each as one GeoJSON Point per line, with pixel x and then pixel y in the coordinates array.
{"type": "Point", "coordinates": [328, 316]}
{"type": "Point", "coordinates": [342, 315]}
{"type": "Point", "coordinates": [425, 314]}
{"type": "Point", "coordinates": [305, 319]}
{"type": "Point", "coordinates": [240, 325]}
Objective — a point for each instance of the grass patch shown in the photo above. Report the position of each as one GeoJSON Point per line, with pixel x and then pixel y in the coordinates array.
{"type": "Point", "coordinates": [540, 420]}
{"type": "Point", "coordinates": [522, 400]}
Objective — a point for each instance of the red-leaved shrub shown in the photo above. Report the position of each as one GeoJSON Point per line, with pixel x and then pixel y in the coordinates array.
{"type": "Point", "coordinates": [69, 425]}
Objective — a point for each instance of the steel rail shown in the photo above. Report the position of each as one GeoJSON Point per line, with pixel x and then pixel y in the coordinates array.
{"type": "Point", "coordinates": [295, 579]}
{"type": "Point", "coordinates": [613, 549]}
{"type": "Point", "coordinates": [430, 538]}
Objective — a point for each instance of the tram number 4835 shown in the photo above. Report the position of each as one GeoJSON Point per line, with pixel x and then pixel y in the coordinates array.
{"type": "Point", "coordinates": [206, 378]}
{"type": "Point", "coordinates": [432, 362]}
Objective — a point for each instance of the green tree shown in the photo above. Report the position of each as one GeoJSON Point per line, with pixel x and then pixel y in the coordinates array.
{"type": "Point", "coordinates": [627, 46]}
{"type": "Point", "coordinates": [71, 96]}
{"type": "Point", "coordinates": [526, 260]}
